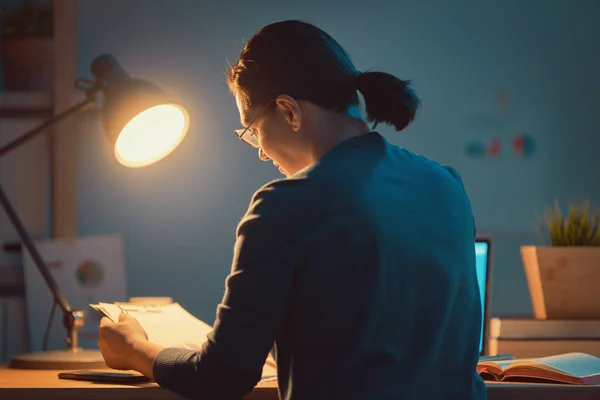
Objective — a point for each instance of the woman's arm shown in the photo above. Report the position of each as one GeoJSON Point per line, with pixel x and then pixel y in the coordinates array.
{"type": "Point", "coordinates": [257, 290]}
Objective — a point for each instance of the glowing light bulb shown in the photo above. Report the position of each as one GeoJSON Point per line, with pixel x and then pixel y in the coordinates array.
{"type": "Point", "coordinates": [151, 135]}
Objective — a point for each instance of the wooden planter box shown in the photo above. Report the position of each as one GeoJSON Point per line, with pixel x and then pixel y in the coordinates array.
{"type": "Point", "coordinates": [564, 282]}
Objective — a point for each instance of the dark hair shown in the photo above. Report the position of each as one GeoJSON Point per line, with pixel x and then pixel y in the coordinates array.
{"type": "Point", "coordinates": [304, 62]}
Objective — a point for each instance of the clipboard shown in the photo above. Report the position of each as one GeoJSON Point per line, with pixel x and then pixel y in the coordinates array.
{"type": "Point", "coordinates": [104, 376]}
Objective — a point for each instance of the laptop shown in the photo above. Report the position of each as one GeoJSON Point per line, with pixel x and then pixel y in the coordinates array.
{"type": "Point", "coordinates": [482, 264]}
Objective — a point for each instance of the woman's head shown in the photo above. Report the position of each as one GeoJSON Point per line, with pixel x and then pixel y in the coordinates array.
{"type": "Point", "coordinates": [296, 90]}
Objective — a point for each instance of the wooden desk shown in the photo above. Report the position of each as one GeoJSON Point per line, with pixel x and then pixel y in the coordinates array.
{"type": "Point", "coordinates": [45, 385]}
{"type": "Point", "coordinates": [16, 384]}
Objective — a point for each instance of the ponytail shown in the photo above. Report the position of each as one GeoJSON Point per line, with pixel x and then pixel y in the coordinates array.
{"type": "Point", "coordinates": [388, 100]}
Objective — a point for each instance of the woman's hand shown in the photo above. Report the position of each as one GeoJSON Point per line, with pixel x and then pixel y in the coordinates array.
{"type": "Point", "coordinates": [125, 345]}
{"type": "Point", "coordinates": [117, 341]}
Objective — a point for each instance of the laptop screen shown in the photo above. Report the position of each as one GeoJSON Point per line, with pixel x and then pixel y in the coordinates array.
{"type": "Point", "coordinates": [482, 249]}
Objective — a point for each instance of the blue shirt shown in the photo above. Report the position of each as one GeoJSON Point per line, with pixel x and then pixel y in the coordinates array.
{"type": "Point", "coordinates": [359, 272]}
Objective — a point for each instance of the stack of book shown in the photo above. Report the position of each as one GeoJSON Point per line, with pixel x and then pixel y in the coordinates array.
{"type": "Point", "coordinates": [527, 338]}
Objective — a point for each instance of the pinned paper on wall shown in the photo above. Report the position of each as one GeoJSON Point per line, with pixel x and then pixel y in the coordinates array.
{"type": "Point", "coordinates": [490, 122]}
{"type": "Point", "coordinates": [484, 121]}
{"type": "Point", "coordinates": [489, 118]}
{"type": "Point", "coordinates": [493, 148]}
{"type": "Point", "coordinates": [475, 148]}
{"type": "Point", "coordinates": [523, 145]}
{"type": "Point", "coordinates": [478, 148]}
{"type": "Point", "coordinates": [87, 270]}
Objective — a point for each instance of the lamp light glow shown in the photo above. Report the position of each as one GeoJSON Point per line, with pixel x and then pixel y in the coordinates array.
{"type": "Point", "coordinates": [151, 135]}
{"type": "Point", "coordinates": [141, 121]}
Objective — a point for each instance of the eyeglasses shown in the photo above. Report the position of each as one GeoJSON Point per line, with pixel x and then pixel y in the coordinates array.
{"type": "Point", "coordinates": [247, 134]}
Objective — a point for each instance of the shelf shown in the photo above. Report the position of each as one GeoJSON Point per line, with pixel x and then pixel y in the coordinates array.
{"type": "Point", "coordinates": [26, 104]}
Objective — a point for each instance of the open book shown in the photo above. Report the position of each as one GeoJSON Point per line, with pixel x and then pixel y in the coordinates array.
{"type": "Point", "coordinates": [171, 325]}
{"type": "Point", "coordinates": [571, 368]}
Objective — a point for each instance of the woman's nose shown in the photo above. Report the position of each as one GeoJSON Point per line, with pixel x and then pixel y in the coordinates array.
{"type": "Point", "coordinates": [262, 155]}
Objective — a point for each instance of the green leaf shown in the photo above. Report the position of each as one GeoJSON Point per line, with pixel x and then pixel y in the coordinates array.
{"type": "Point", "coordinates": [579, 227]}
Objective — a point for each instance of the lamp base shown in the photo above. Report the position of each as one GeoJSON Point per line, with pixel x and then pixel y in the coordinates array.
{"type": "Point", "coordinates": [59, 360]}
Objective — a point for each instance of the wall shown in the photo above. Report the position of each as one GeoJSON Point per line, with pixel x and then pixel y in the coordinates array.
{"type": "Point", "coordinates": [178, 217]}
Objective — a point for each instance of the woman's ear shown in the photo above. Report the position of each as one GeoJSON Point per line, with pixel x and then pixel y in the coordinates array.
{"type": "Point", "coordinates": [290, 111]}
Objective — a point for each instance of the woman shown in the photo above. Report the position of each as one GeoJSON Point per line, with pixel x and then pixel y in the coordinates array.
{"type": "Point", "coordinates": [358, 270]}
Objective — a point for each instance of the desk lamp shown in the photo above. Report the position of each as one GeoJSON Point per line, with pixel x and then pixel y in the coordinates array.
{"type": "Point", "coordinates": [144, 125]}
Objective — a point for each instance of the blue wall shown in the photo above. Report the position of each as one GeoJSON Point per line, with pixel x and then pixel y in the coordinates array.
{"type": "Point", "coordinates": [178, 217]}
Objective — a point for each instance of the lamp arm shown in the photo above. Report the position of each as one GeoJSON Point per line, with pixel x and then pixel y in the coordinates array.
{"type": "Point", "coordinates": [71, 319]}
{"type": "Point", "coordinates": [35, 255]}
{"type": "Point", "coordinates": [47, 124]}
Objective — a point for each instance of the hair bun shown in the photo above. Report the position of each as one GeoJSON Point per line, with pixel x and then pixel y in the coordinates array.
{"type": "Point", "coordinates": [388, 100]}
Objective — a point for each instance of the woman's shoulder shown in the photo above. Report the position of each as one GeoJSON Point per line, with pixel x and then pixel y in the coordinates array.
{"type": "Point", "coordinates": [284, 196]}
{"type": "Point", "coordinates": [442, 170]}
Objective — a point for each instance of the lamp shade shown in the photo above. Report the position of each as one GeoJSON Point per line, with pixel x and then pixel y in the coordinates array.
{"type": "Point", "coordinates": [142, 122]}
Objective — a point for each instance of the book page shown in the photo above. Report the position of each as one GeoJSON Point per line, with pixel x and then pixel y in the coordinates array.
{"type": "Point", "coordinates": [575, 364]}
{"type": "Point", "coordinates": [269, 371]}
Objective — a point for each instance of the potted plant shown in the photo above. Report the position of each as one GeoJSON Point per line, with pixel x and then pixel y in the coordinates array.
{"type": "Point", "coordinates": [564, 276]}
{"type": "Point", "coordinates": [27, 47]}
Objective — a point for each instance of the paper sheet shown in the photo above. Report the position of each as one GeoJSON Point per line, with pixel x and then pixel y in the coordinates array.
{"type": "Point", "coordinates": [171, 326]}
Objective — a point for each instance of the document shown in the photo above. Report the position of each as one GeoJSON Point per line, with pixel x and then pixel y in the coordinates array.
{"type": "Point", "coordinates": [171, 325]}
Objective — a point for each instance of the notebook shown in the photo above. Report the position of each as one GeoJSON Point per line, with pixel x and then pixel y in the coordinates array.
{"type": "Point", "coordinates": [171, 325]}
{"type": "Point", "coordinates": [569, 368]}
